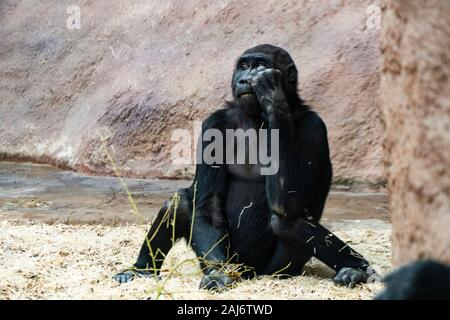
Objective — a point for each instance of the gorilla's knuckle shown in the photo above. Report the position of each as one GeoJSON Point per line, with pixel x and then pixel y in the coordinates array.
{"type": "Point", "coordinates": [274, 71]}
{"type": "Point", "coordinates": [274, 221]}
{"type": "Point", "coordinates": [260, 76]}
{"type": "Point", "coordinates": [215, 281]}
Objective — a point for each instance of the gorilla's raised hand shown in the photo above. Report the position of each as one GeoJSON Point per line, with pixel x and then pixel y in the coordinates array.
{"type": "Point", "coordinates": [268, 87]}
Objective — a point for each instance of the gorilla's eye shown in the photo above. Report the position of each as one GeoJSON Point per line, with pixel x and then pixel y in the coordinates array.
{"type": "Point", "coordinates": [261, 64]}
{"type": "Point", "coordinates": [244, 65]}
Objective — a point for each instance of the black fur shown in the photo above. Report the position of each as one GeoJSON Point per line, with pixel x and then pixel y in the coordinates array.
{"type": "Point", "coordinates": [269, 223]}
{"type": "Point", "coordinates": [421, 280]}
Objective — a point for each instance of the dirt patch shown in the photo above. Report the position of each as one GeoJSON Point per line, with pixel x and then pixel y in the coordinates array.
{"type": "Point", "coordinates": [39, 261]}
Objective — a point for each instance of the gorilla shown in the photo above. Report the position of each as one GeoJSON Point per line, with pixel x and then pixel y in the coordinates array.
{"type": "Point", "coordinates": [420, 280]}
{"type": "Point", "coordinates": [266, 224]}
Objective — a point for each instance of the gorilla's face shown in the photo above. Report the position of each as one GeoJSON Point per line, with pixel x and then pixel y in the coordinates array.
{"type": "Point", "coordinates": [247, 66]}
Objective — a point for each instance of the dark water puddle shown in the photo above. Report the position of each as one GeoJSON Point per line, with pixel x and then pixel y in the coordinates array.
{"type": "Point", "coordinates": [46, 194]}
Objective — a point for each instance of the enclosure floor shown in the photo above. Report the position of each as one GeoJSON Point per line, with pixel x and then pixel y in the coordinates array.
{"type": "Point", "coordinates": [42, 193]}
{"type": "Point", "coordinates": [40, 261]}
{"type": "Point", "coordinates": [64, 235]}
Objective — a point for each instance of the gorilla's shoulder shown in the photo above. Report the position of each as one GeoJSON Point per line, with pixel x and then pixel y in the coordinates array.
{"type": "Point", "coordinates": [217, 119]}
{"type": "Point", "coordinates": [312, 121]}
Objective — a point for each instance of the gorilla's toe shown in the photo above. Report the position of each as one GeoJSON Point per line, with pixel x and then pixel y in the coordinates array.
{"type": "Point", "coordinates": [215, 281]}
{"type": "Point", "coordinates": [129, 275]}
{"type": "Point", "coordinates": [350, 277]}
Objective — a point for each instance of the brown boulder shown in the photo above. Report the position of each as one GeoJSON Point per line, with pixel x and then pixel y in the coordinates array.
{"type": "Point", "coordinates": [415, 102]}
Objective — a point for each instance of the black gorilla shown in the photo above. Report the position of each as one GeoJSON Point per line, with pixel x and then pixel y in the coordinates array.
{"type": "Point", "coordinates": [269, 223]}
{"type": "Point", "coordinates": [420, 280]}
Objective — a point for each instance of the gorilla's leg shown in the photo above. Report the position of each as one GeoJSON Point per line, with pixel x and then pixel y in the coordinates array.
{"type": "Point", "coordinates": [208, 242]}
{"type": "Point", "coordinates": [171, 223]}
{"type": "Point", "coordinates": [210, 245]}
{"type": "Point", "coordinates": [287, 260]}
{"type": "Point", "coordinates": [318, 241]}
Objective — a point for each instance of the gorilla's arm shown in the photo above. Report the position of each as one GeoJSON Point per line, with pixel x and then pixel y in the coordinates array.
{"type": "Point", "coordinates": [300, 186]}
{"type": "Point", "coordinates": [297, 192]}
{"type": "Point", "coordinates": [197, 216]}
{"type": "Point", "coordinates": [209, 237]}
{"type": "Point", "coordinates": [303, 234]}
{"type": "Point", "coordinates": [308, 173]}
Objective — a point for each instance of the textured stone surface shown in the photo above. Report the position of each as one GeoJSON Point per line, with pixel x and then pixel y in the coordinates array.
{"type": "Point", "coordinates": [136, 70]}
{"type": "Point", "coordinates": [415, 102]}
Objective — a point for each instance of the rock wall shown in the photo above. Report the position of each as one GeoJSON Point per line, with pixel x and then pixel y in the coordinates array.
{"type": "Point", "coordinates": [136, 70]}
{"type": "Point", "coordinates": [415, 103]}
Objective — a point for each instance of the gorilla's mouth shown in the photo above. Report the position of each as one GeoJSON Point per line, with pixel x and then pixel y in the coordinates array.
{"type": "Point", "coordinates": [245, 94]}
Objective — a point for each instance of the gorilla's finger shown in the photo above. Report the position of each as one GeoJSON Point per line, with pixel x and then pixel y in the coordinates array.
{"type": "Point", "coordinates": [277, 75]}
{"type": "Point", "coordinates": [346, 279]}
{"type": "Point", "coordinates": [124, 277]}
{"type": "Point", "coordinates": [338, 279]}
{"type": "Point", "coordinates": [215, 281]}
{"type": "Point", "coordinates": [209, 284]}
{"type": "Point", "coordinates": [354, 280]}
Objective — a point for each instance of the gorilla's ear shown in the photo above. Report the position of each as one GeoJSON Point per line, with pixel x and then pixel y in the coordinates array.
{"type": "Point", "coordinates": [292, 73]}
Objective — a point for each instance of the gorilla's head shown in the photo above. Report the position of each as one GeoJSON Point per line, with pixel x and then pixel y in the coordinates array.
{"type": "Point", "coordinates": [266, 56]}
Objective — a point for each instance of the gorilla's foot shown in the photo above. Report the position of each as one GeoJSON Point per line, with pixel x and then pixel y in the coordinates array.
{"type": "Point", "coordinates": [130, 274]}
{"type": "Point", "coordinates": [350, 277]}
{"type": "Point", "coordinates": [216, 281]}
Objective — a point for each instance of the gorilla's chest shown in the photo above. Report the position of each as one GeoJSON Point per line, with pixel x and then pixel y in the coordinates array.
{"type": "Point", "coordinates": [248, 215]}
{"type": "Point", "coordinates": [246, 171]}
{"type": "Point", "coordinates": [244, 149]}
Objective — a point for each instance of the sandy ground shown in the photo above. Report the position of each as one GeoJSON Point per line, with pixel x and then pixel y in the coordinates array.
{"type": "Point", "coordinates": [40, 261]}
{"type": "Point", "coordinates": [64, 235]}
